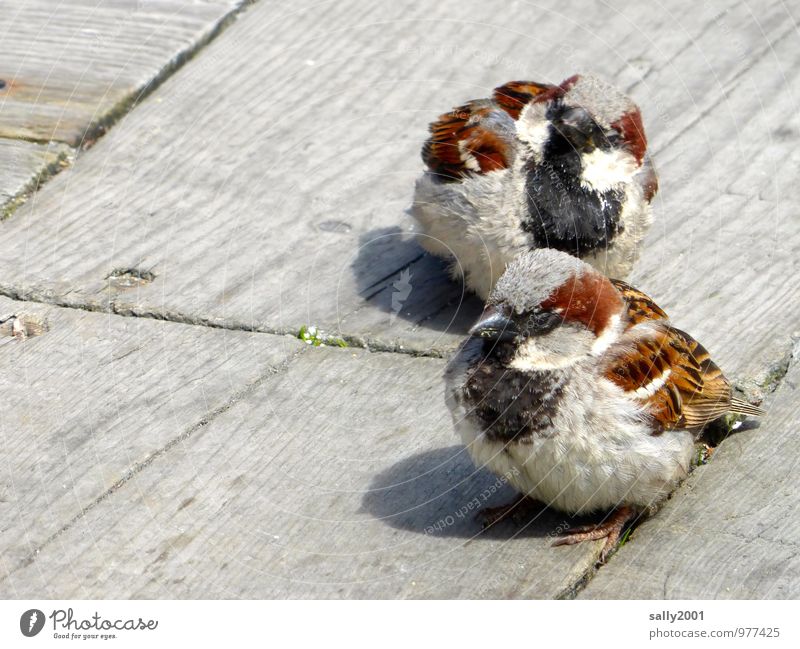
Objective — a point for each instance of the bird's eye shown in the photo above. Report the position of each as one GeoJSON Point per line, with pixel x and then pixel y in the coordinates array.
{"type": "Point", "coordinates": [579, 129]}
{"type": "Point", "coordinates": [540, 322]}
{"type": "Point", "coordinates": [578, 118]}
{"type": "Point", "coordinates": [613, 138]}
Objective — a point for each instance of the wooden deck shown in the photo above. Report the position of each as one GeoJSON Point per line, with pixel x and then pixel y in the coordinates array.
{"type": "Point", "coordinates": [213, 176]}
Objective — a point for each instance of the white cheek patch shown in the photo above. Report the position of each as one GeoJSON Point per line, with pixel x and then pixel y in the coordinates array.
{"type": "Point", "coordinates": [608, 337]}
{"type": "Point", "coordinates": [535, 136]}
{"type": "Point", "coordinates": [469, 160]}
{"type": "Point", "coordinates": [651, 388]}
{"type": "Point", "coordinates": [533, 129]}
{"type": "Point", "coordinates": [531, 357]}
{"type": "Point", "coordinates": [604, 170]}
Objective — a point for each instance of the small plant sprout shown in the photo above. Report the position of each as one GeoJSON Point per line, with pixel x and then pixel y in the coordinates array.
{"type": "Point", "coordinates": [316, 338]}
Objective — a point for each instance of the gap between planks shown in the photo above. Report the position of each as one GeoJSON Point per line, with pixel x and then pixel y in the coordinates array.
{"type": "Point", "coordinates": [96, 130]}
{"type": "Point", "coordinates": [353, 340]}
{"type": "Point", "coordinates": [571, 592]}
{"type": "Point", "coordinates": [140, 466]}
{"type": "Point", "coordinates": [784, 364]}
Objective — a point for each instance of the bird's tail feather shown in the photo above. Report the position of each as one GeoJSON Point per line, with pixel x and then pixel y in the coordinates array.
{"type": "Point", "coordinates": [744, 408]}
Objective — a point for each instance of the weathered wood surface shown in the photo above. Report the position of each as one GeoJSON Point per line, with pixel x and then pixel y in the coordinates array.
{"type": "Point", "coordinates": [70, 68]}
{"type": "Point", "coordinates": [732, 531]}
{"type": "Point", "coordinates": [89, 402]}
{"type": "Point", "coordinates": [263, 187]}
{"type": "Point", "coordinates": [338, 477]}
{"type": "Point", "coordinates": [23, 165]}
{"type": "Point", "coordinates": [268, 191]}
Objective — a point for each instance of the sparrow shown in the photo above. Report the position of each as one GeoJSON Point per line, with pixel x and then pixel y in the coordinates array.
{"type": "Point", "coordinates": [536, 166]}
{"type": "Point", "coordinates": [578, 390]}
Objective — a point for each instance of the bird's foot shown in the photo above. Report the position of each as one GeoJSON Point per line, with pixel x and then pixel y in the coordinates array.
{"type": "Point", "coordinates": [708, 451]}
{"type": "Point", "coordinates": [517, 510]}
{"type": "Point", "coordinates": [609, 529]}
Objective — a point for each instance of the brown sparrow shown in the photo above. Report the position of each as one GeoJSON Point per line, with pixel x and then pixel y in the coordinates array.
{"type": "Point", "coordinates": [536, 166]}
{"type": "Point", "coordinates": [579, 391]}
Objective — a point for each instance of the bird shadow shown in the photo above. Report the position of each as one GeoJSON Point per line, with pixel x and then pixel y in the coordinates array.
{"type": "Point", "coordinates": [719, 430]}
{"type": "Point", "coordinates": [440, 493]}
{"type": "Point", "coordinates": [394, 274]}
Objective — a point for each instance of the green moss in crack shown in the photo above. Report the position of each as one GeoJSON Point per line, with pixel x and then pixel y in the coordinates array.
{"type": "Point", "coordinates": [60, 159]}
{"type": "Point", "coordinates": [718, 430]}
{"type": "Point", "coordinates": [702, 454]}
{"type": "Point", "coordinates": [314, 337]}
{"type": "Point", "coordinates": [775, 374]}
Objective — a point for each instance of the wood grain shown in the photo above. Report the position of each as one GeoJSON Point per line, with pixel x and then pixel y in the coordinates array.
{"type": "Point", "coordinates": [92, 399]}
{"type": "Point", "coordinates": [23, 165]}
{"type": "Point", "coordinates": [337, 478]}
{"type": "Point", "coordinates": [268, 192]}
{"type": "Point", "coordinates": [70, 70]}
{"type": "Point", "coordinates": [262, 187]}
{"type": "Point", "coordinates": [732, 532]}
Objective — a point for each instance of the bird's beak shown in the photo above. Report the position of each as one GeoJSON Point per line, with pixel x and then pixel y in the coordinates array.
{"type": "Point", "coordinates": [494, 324]}
{"type": "Point", "coordinates": [577, 126]}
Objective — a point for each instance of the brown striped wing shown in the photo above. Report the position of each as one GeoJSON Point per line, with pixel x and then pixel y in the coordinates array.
{"type": "Point", "coordinates": [480, 136]}
{"type": "Point", "coordinates": [468, 140]}
{"type": "Point", "coordinates": [686, 388]}
{"type": "Point", "coordinates": [641, 307]}
{"type": "Point", "coordinates": [515, 95]}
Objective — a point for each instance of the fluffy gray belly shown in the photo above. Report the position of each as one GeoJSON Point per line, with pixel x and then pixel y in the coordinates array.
{"type": "Point", "coordinates": [597, 454]}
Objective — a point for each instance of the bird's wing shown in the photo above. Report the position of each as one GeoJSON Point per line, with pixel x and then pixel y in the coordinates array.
{"type": "Point", "coordinates": [477, 137]}
{"type": "Point", "coordinates": [480, 136]}
{"type": "Point", "coordinates": [672, 375]}
{"type": "Point", "coordinates": [513, 96]}
{"type": "Point", "coordinates": [640, 307]}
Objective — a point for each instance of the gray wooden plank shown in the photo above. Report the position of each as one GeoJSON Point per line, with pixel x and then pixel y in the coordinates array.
{"type": "Point", "coordinates": [268, 191]}
{"type": "Point", "coordinates": [89, 399]}
{"type": "Point", "coordinates": [23, 165]}
{"type": "Point", "coordinates": [71, 68]}
{"type": "Point", "coordinates": [729, 233]}
{"type": "Point", "coordinates": [337, 478]}
{"type": "Point", "coordinates": [733, 531]}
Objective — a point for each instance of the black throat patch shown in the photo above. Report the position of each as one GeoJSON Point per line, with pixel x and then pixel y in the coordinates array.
{"type": "Point", "coordinates": [562, 213]}
{"type": "Point", "coordinates": [511, 404]}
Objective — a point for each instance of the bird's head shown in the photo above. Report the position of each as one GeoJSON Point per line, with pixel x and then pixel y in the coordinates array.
{"type": "Point", "coordinates": [590, 115]}
{"type": "Point", "coordinates": [587, 152]}
{"type": "Point", "coordinates": [549, 310]}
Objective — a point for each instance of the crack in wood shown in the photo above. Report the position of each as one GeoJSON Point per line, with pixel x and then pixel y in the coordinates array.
{"type": "Point", "coordinates": [784, 365]}
{"type": "Point", "coordinates": [99, 127]}
{"type": "Point", "coordinates": [44, 296]}
{"type": "Point", "coordinates": [140, 466]}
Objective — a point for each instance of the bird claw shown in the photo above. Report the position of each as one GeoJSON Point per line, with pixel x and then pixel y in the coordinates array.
{"type": "Point", "coordinates": [610, 529]}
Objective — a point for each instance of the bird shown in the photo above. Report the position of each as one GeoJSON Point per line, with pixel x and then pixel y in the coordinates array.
{"type": "Point", "coordinates": [537, 165]}
{"type": "Point", "coordinates": [580, 392]}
